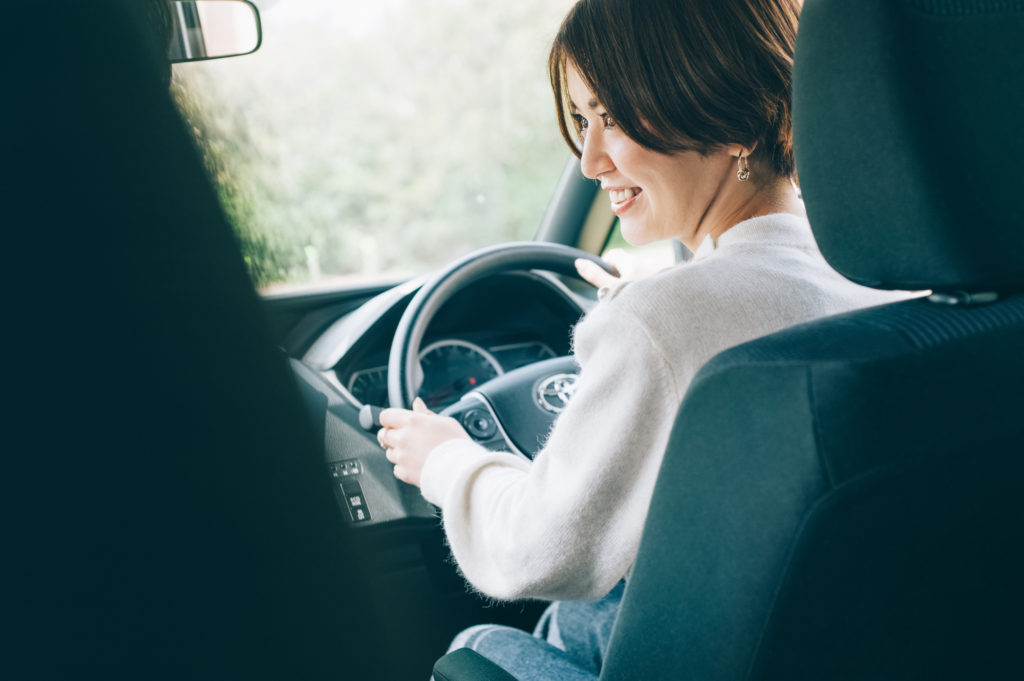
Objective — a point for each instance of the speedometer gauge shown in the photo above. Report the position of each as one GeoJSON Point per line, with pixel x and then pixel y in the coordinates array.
{"type": "Point", "coordinates": [451, 368]}
{"type": "Point", "coordinates": [370, 386]}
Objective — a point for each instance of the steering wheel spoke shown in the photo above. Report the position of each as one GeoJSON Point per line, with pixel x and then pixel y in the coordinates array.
{"type": "Point", "coordinates": [477, 416]}
{"type": "Point", "coordinates": [514, 412]}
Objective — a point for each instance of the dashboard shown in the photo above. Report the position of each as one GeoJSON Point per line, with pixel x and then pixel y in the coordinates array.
{"type": "Point", "coordinates": [492, 327]}
{"type": "Point", "coordinates": [495, 325]}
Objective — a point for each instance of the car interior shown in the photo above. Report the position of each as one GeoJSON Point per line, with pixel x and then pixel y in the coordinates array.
{"type": "Point", "coordinates": [195, 490]}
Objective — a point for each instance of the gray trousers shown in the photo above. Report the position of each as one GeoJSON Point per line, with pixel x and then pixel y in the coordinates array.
{"type": "Point", "coordinates": [568, 644]}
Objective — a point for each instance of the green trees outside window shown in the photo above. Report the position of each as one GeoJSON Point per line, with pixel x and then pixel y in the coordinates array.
{"type": "Point", "coordinates": [374, 140]}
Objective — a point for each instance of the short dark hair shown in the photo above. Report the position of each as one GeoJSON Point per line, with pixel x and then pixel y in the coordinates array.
{"type": "Point", "coordinates": [682, 75]}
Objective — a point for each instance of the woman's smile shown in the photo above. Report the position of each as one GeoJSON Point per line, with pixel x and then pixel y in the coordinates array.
{"type": "Point", "coordinates": [622, 198]}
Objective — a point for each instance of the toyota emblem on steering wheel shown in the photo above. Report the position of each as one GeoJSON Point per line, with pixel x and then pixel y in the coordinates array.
{"type": "Point", "coordinates": [553, 393]}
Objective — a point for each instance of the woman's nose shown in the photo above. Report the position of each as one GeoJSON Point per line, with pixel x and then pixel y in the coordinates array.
{"type": "Point", "coordinates": [594, 160]}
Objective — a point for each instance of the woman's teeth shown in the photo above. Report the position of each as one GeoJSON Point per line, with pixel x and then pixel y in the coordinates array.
{"type": "Point", "coordinates": [623, 195]}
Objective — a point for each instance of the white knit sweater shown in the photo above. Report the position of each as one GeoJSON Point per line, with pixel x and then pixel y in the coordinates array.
{"type": "Point", "coordinates": [567, 525]}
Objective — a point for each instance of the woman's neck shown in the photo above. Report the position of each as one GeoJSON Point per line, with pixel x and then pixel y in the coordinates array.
{"type": "Point", "coordinates": [741, 201]}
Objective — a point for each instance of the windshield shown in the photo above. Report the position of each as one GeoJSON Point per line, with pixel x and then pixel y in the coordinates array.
{"type": "Point", "coordinates": [370, 141]}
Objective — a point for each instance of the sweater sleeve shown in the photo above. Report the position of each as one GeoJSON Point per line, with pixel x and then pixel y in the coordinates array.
{"type": "Point", "coordinates": [567, 525]}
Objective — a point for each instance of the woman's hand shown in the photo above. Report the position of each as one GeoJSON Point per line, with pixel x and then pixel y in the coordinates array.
{"type": "Point", "coordinates": [409, 436]}
{"type": "Point", "coordinates": [630, 265]}
{"type": "Point", "coordinates": [592, 273]}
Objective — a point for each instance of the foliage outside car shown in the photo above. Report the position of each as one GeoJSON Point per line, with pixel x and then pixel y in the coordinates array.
{"type": "Point", "coordinates": [367, 142]}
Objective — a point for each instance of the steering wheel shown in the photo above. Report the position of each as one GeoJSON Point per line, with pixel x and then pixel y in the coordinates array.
{"type": "Point", "coordinates": [514, 410]}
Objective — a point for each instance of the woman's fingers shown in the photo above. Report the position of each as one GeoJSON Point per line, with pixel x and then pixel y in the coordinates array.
{"type": "Point", "coordinates": [408, 437]}
{"type": "Point", "coordinates": [592, 273]}
{"type": "Point", "coordinates": [390, 438]}
{"type": "Point", "coordinates": [395, 418]}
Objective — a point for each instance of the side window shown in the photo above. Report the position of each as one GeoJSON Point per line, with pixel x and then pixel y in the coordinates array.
{"type": "Point", "coordinates": [372, 141]}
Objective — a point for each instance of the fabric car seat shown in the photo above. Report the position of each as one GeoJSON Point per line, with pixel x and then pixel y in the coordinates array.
{"type": "Point", "coordinates": [167, 510]}
{"type": "Point", "coordinates": [844, 499]}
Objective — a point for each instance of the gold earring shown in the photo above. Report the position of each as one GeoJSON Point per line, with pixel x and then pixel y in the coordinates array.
{"type": "Point", "coordinates": [742, 169]}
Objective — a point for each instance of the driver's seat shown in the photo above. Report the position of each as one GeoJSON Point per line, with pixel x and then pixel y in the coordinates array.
{"type": "Point", "coordinates": [844, 499]}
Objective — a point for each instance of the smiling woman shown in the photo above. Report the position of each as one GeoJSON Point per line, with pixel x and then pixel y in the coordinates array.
{"type": "Point", "coordinates": [688, 148]}
{"type": "Point", "coordinates": [372, 141]}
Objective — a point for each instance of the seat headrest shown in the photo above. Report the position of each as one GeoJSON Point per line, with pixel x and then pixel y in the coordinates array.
{"type": "Point", "coordinates": [909, 127]}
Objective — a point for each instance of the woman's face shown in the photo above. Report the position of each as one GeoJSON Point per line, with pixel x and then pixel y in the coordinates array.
{"type": "Point", "coordinates": [656, 196]}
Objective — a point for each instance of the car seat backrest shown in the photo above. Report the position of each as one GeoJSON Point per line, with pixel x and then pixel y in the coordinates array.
{"type": "Point", "coordinates": [168, 508]}
{"type": "Point", "coordinates": [837, 501]}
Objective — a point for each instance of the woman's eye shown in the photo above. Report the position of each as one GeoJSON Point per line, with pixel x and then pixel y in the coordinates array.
{"type": "Point", "coordinates": [581, 124]}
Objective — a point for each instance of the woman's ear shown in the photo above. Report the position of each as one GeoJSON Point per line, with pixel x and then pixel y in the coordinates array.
{"type": "Point", "coordinates": [737, 150]}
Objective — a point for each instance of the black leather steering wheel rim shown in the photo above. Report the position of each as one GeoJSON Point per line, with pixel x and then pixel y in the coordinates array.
{"type": "Point", "coordinates": [528, 255]}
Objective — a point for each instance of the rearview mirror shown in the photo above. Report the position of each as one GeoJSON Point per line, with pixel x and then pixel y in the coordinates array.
{"type": "Point", "coordinates": [211, 29]}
